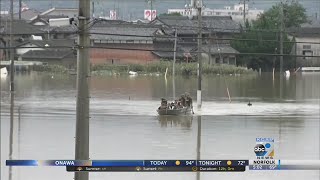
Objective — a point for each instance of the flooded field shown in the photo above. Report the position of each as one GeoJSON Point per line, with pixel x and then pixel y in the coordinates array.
{"type": "Point", "coordinates": [124, 123]}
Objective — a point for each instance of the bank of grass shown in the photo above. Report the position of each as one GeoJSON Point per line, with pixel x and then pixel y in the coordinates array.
{"type": "Point", "coordinates": [50, 68]}
{"type": "Point", "coordinates": [160, 67]}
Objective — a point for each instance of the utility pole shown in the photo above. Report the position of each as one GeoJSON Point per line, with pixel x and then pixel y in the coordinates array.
{"type": "Point", "coordinates": [244, 13]}
{"type": "Point", "coordinates": [174, 63]}
{"type": "Point", "coordinates": [11, 49]}
{"type": "Point", "coordinates": [83, 75]}
{"type": "Point", "coordinates": [151, 9]}
{"type": "Point", "coordinates": [20, 4]}
{"type": "Point", "coordinates": [199, 144]}
{"type": "Point", "coordinates": [281, 48]}
{"type": "Point", "coordinates": [92, 9]}
{"type": "Point", "coordinates": [11, 89]}
{"type": "Point", "coordinates": [199, 100]}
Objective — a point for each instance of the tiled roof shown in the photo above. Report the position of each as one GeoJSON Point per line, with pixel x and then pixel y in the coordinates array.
{"type": "Point", "coordinates": [216, 49]}
{"type": "Point", "coordinates": [54, 43]}
{"type": "Point", "coordinates": [310, 29]}
{"type": "Point", "coordinates": [47, 54]}
{"type": "Point", "coordinates": [134, 31]}
{"type": "Point", "coordinates": [27, 14]}
{"type": "Point", "coordinates": [20, 27]}
{"type": "Point", "coordinates": [187, 25]}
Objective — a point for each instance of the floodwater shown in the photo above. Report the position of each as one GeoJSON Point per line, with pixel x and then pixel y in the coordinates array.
{"type": "Point", "coordinates": [124, 124]}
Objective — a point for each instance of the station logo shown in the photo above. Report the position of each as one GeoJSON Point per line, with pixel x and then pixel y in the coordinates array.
{"type": "Point", "coordinates": [264, 148]}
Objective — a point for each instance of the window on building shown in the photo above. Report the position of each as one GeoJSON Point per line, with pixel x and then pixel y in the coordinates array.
{"type": "Point", "coordinates": [232, 60]}
{"type": "Point", "coordinates": [129, 41]}
{"type": "Point", "coordinates": [225, 60]}
{"type": "Point", "coordinates": [306, 46]}
{"type": "Point", "coordinates": [307, 53]}
{"type": "Point", "coordinates": [217, 60]}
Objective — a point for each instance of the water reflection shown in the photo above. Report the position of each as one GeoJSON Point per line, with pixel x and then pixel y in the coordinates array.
{"type": "Point", "coordinates": [176, 121]}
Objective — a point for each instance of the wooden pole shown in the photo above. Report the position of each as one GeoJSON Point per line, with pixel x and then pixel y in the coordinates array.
{"type": "Point", "coordinates": [83, 76]}
{"type": "Point", "coordinates": [199, 97]}
{"type": "Point", "coordinates": [20, 5]}
{"type": "Point", "coordinates": [11, 90]}
{"type": "Point", "coordinates": [281, 49]}
{"type": "Point", "coordinates": [199, 144]}
{"type": "Point", "coordinates": [174, 62]}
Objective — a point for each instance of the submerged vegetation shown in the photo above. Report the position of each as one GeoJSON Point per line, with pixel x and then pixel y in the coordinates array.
{"type": "Point", "coordinates": [185, 69]}
{"type": "Point", "coordinates": [50, 68]}
{"type": "Point", "coordinates": [161, 67]}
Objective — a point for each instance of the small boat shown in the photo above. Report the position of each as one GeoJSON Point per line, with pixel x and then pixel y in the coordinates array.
{"type": "Point", "coordinates": [183, 106]}
{"type": "Point", "coordinates": [178, 111]}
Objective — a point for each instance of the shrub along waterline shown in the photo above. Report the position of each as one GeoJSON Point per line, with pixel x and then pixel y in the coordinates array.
{"type": "Point", "coordinates": [50, 68]}
{"type": "Point", "coordinates": [181, 68]}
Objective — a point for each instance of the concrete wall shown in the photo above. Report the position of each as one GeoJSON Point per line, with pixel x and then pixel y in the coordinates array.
{"type": "Point", "coordinates": [313, 48]}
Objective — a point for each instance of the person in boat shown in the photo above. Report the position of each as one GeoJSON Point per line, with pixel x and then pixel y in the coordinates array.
{"type": "Point", "coordinates": [172, 105]}
{"type": "Point", "coordinates": [188, 100]}
{"type": "Point", "coordinates": [183, 100]}
{"type": "Point", "coordinates": [164, 104]}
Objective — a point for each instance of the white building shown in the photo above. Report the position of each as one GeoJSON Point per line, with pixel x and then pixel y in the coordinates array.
{"type": "Point", "coordinates": [237, 12]}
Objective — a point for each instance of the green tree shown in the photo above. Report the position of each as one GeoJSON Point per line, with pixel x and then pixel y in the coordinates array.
{"type": "Point", "coordinates": [267, 27]}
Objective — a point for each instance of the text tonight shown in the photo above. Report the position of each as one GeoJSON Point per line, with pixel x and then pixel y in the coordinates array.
{"type": "Point", "coordinates": [209, 163]}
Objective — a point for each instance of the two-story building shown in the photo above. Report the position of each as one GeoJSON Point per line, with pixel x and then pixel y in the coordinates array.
{"type": "Point", "coordinates": [119, 42]}
{"type": "Point", "coordinates": [216, 32]}
{"type": "Point", "coordinates": [307, 39]}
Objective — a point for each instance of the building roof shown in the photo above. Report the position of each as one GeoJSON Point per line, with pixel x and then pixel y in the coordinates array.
{"type": "Point", "coordinates": [20, 27]}
{"type": "Point", "coordinates": [221, 24]}
{"type": "Point", "coordinates": [54, 43]}
{"type": "Point", "coordinates": [47, 54]}
{"type": "Point", "coordinates": [27, 14]}
{"type": "Point", "coordinates": [168, 53]}
{"type": "Point", "coordinates": [125, 31]}
{"type": "Point", "coordinates": [45, 18]}
{"type": "Point", "coordinates": [186, 25]}
{"type": "Point", "coordinates": [182, 23]}
{"type": "Point", "coordinates": [70, 12]}
{"type": "Point", "coordinates": [310, 29]}
{"type": "Point", "coordinates": [216, 50]}
{"type": "Point", "coordinates": [305, 32]}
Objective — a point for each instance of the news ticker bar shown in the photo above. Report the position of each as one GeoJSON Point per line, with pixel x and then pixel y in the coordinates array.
{"type": "Point", "coordinates": [157, 169]}
{"type": "Point", "coordinates": [129, 163]}
{"type": "Point", "coordinates": [170, 165]}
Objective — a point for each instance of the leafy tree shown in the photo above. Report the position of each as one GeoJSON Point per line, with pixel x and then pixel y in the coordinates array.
{"type": "Point", "coordinates": [265, 28]}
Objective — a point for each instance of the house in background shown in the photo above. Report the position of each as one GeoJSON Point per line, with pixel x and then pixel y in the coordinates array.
{"type": "Point", "coordinates": [307, 38]}
{"type": "Point", "coordinates": [222, 54]}
{"type": "Point", "coordinates": [26, 46]}
{"type": "Point", "coordinates": [69, 12]}
{"type": "Point", "coordinates": [63, 57]}
{"type": "Point", "coordinates": [132, 43]}
{"type": "Point", "coordinates": [27, 14]}
{"type": "Point", "coordinates": [22, 31]}
{"type": "Point", "coordinates": [216, 30]}
{"type": "Point", "coordinates": [43, 20]}
{"type": "Point", "coordinates": [58, 52]}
